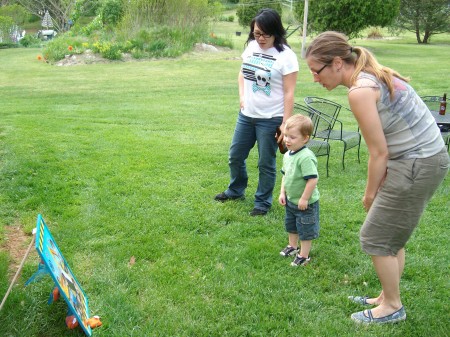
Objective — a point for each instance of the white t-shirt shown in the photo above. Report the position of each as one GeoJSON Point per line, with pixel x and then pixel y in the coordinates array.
{"type": "Point", "coordinates": [263, 72]}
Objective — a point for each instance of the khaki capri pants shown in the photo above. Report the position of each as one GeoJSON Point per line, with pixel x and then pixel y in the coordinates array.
{"type": "Point", "coordinates": [400, 202]}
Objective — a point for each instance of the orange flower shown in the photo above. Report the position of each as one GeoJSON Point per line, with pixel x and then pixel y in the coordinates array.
{"type": "Point", "coordinates": [39, 57]}
{"type": "Point", "coordinates": [70, 48]}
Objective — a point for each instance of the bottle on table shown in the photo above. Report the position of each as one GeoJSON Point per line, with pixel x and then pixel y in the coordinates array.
{"type": "Point", "coordinates": [443, 105]}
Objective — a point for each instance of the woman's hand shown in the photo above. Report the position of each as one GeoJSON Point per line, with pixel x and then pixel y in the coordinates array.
{"type": "Point", "coordinates": [279, 134]}
{"type": "Point", "coordinates": [367, 202]}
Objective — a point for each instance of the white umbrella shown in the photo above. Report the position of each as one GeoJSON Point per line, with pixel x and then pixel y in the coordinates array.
{"type": "Point", "coordinates": [47, 20]}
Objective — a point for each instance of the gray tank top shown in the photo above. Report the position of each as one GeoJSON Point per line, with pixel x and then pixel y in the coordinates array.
{"type": "Point", "coordinates": [409, 127]}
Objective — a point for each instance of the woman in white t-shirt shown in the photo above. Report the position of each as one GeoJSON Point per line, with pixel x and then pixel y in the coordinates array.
{"type": "Point", "coordinates": [267, 80]}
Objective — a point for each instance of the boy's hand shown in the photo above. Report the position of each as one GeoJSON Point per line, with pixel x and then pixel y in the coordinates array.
{"type": "Point", "coordinates": [302, 204]}
{"type": "Point", "coordinates": [282, 199]}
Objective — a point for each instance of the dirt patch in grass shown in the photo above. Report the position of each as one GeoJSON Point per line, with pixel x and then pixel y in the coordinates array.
{"type": "Point", "coordinates": [15, 244]}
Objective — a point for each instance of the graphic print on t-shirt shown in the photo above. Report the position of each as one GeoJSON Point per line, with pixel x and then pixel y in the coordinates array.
{"type": "Point", "coordinates": [257, 68]}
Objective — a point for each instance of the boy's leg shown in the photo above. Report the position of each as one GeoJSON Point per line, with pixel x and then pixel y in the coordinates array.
{"type": "Point", "coordinates": [305, 247]}
{"type": "Point", "coordinates": [308, 228]}
{"type": "Point", "coordinates": [291, 229]}
{"type": "Point", "coordinates": [293, 240]}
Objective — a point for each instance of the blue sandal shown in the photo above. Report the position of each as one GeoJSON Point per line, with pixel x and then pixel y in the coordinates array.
{"type": "Point", "coordinates": [360, 300]}
{"type": "Point", "coordinates": [361, 317]}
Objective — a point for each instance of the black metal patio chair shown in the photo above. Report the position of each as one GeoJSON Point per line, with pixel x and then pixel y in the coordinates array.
{"type": "Point", "coordinates": [320, 147]}
{"type": "Point", "coordinates": [335, 129]}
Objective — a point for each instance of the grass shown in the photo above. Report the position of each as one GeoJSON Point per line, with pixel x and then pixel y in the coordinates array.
{"type": "Point", "coordinates": [124, 159]}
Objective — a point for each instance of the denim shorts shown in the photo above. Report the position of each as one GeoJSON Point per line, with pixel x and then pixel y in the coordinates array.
{"type": "Point", "coordinates": [304, 223]}
{"type": "Point", "coordinates": [400, 202]}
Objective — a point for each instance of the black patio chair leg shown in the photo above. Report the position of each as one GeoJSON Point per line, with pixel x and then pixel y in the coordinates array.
{"type": "Point", "coordinates": [359, 160]}
{"type": "Point", "coordinates": [327, 166]}
{"type": "Point", "coordinates": [343, 156]}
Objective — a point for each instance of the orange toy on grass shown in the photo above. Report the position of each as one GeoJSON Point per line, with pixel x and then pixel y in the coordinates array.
{"type": "Point", "coordinates": [55, 294]}
{"type": "Point", "coordinates": [94, 322]}
{"type": "Point", "coordinates": [71, 322]}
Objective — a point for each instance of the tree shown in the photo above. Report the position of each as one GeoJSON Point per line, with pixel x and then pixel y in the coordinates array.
{"type": "Point", "coordinates": [348, 16]}
{"type": "Point", "coordinates": [85, 8]}
{"type": "Point", "coordinates": [16, 12]}
{"type": "Point", "coordinates": [186, 15]}
{"type": "Point", "coordinates": [6, 26]}
{"type": "Point", "coordinates": [424, 18]}
{"type": "Point", "coordinates": [249, 8]}
{"type": "Point", "coordinates": [7, 2]}
{"type": "Point", "coordinates": [59, 10]}
{"type": "Point", "coordinates": [111, 12]}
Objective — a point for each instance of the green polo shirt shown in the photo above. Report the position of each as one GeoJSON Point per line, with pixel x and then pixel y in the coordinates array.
{"type": "Point", "coordinates": [298, 167]}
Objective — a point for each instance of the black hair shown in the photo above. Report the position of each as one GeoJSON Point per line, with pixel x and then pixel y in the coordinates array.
{"type": "Point", "coordinates": [269, 21]}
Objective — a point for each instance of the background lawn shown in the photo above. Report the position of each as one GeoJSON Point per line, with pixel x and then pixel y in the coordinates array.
{"type": "Point", "coordinates": [123, 160]}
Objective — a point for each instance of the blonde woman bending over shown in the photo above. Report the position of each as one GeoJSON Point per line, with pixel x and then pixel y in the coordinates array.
{"type": "Point", "coordinates": [407, 160]}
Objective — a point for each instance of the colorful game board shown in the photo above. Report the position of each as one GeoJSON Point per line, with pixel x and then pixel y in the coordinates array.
{"type": "Point", "coordinates": [62, 275]}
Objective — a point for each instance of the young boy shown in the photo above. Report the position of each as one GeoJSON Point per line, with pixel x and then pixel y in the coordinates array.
{"type": "Point", "coordinates": [299, 193]}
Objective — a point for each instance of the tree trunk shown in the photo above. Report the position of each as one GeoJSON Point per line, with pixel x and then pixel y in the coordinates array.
{"type": "Point", "coordinates": [418, 35]}
{"type": "Point", "coordinates": [426, 36]}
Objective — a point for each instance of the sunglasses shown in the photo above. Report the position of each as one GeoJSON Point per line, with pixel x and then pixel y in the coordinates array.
{"type": "Point", "coordinates": [316, 73]}
{"type": "Point", "coordinates": [258, 35]}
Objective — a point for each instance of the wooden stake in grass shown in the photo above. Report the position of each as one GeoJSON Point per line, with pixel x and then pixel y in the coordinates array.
{"type": "Point", "coordinates": [19, 269]}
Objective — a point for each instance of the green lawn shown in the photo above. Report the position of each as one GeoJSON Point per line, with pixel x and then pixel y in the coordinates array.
{"type": "Point", "coordinates": [124, 159]}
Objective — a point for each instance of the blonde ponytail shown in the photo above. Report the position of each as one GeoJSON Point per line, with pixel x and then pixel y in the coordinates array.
{"type": "Point", "coordinates": [366, 62]}
{"type": "Point", "coordinates": [328, 45]}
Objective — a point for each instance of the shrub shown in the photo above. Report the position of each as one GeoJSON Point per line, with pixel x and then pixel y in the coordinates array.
{"type": "Point", "coordinates": [141, 39]}
{"type": "Point", "coordinates": [55, 51]}
{"type": "Point", "coordinates": [229, 18]}
{"type": "Point", "coordinates": [4, 45]}
{"type": "Point", "coordinates": [85, 8]}
{"type": "Point", "coordinates": [107, 50]}
{"type": "Point", "coordinates": [33, 18]}
{"type": "Point", "coordinates": [154, 41]}
{"type": "Point", "coordinates": [16, 12]}
{"type": "Point", "coordinates": [95, 25]}
{"type": "Point", "coordinates": [127, 47]}
{"type": "Point", "coordinates": [30, 40]}
{"type": "Point", "coordinates": [375, 33]}
{"type": "Point", "coordinates": [6, 26]}
{"type": "Point", "coordinates": [218, 41]}
{"type": "Point", "coordinates": [63, 45]}
{"type": "Point", "coordinates": [112, 52]}
{"type": "Point", "coordinates": [156, 47]}
{"type": "Point", "coordinates": [111, 12]}
{"type": "Point", "coordinates": [139, 54]}
{"type": "Point", "coordinates": [249, 8]}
